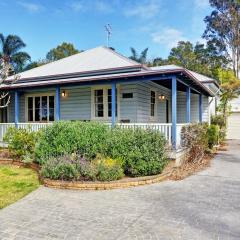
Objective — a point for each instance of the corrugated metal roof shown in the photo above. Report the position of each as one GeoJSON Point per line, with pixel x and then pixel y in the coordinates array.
{"type": "Point", "coordinates": [199, 76]}
{"type": "Point", "coordinates": [98, 58]}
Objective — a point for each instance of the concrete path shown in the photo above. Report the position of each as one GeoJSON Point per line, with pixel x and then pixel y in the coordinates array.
{"type": "Point", "coordinates": [204, 206]}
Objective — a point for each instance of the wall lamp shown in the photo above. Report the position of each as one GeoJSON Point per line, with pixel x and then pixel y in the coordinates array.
{"type": "Point", "coordinates": [161, 97]}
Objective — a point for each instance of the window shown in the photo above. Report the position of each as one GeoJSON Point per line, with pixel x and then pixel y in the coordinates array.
{"type": "Point", "coordinates": [102, 103]}
{"type": "Point", "coordinates": [153, 103]}
{"type": "Point", "coordinates": [40, 108]}
{"type": "Point", "coordinates": [127, 95]}
{"type": "Point", "coordinates": [110, 103]}
{"type": "Point", "coordinates": [98, 100]}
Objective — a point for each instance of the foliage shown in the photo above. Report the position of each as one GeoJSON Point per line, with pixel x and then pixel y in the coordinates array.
{"type": "Point", "coordinates": [142, 58]}
{"type": "Point", "coordinates": [61, 51]}
{"type": "Point", "coordinates": [35, 64]}
{"type": "Point", "coordinates": [10, 51]}
{"type": "Point", "coordinates": [230, 89]}
{"type": "Point", "coordinates": [195, 138]}
{"type": "Point", "coordinates": [143, 151]}
{"type": "Point", "coordinates": [64, 137]}
{"type": "Point", "coordinates": [60, 168]}
{"type": "Point", "coordinates": [16, 183]}
{"type": "Point", "coordinates": [75, 167]}
{"type": "Point", "coordinates": [213, 135]}
{"type": "Point", "coordinates": [21, 142]}
{"type": "Point", "coordinates": [222, 30]}
{"type": "Point", "coordinates": [220, 121]}
{"type": "Point", "coordinates": [199, 57]}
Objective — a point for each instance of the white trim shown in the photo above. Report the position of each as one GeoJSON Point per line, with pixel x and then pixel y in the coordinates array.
{"type": "Point", "coordinates": [105, 102]}
{"type": "Point", "coordinates": [154, 118]}
{"type": "Point", "coordinates": [33, 95]}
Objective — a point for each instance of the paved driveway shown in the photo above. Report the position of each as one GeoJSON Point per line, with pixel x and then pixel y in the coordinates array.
{"type": "Point", "coordinates": [204, 206]}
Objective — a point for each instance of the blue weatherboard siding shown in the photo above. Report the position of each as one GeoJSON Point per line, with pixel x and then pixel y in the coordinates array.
{"type": "Point", "coordinates": [200, 108]}
{"type": "Point", "coordinates": [188, 112]}
{"type": "Point", "coordinates": [113, 104]}
{"type": "Point", "coordinates": [16, 107]}
{"type": "Point", "coordinates": [174, 111]}
{"type": "Point", "coordinates": [57, 97]}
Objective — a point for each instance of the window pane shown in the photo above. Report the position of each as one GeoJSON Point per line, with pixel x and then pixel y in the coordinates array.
{"type": "Point", "coordinates": [153, 99]}
{"type": "Point", "coordinates": [30, 103]}
{"type": "Point", "coordinates": [44, 108]}
{"type": "Point", "coordinates": [51, 114]}
{"type": "Point", "coordinates": [37, 102]}
{"type": "Point", "coordinates": [99, 108]}
{"type": "Point", "coordinates": [110, 103]}
{"type": "Point", "coordinates": [37, 115]}
{"type": "Point", "coordinates": [51, 101]}
{"type": "Point", "coordinates": [30, 115]}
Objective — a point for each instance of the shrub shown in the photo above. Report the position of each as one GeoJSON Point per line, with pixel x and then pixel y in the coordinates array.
{"type": "Point", "coordinates": [69, 167]}
{"type": "Point", "coordinates": [108, 169]}
{"type": "Point", "coordinates": [220, 121]}
{"type": "Point", "coordinates": [21, 142]}
{"type": "Point", "coordinates": [143, 151]}
{"type": "Point", "coordinates": [67, 137]}
{"type": "Point", "coordinates": [195, 137]}
{"type": "Point", "coordinates": [213, 135]}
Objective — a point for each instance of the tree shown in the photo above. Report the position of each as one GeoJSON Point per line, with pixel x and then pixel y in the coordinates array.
{"type": "Point", "coordinates": [35, 64]}
{"type": "Point", "coordinates": [199, 58]}
{"type": "Point", "coordinates": [5, 70]}
{"type": "Point", "coordinates": [223, 30]}
{"type": "Point", "coordinates": [10, 51]}
{"type": "Point", "coordinates": [142, 58]}
{"type": "Point", "coordinates": [61, 51]}
{"type": "Point", "coordinates": [230, 89]}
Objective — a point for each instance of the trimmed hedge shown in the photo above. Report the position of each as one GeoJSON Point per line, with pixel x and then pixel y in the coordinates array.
{"type": "Point", "coordinates": [142, 152]}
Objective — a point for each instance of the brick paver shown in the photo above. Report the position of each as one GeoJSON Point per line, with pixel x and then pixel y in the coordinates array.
{"type": "Point", "coordinates": [204, 206]}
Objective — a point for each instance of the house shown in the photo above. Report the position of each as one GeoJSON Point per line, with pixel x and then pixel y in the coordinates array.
{"type": "Point", "coordinates": [233, 121]}
{"type": "Point", "coordinates": [100, 84]}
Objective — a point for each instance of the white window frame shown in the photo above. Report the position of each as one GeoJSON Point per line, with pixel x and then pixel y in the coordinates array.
{"type": "Point", "coordinates": [155, 105]}
{"type": "Point", "coordinates": [105, 102]}
{"type": "Point", "coordinates": [39, 95]}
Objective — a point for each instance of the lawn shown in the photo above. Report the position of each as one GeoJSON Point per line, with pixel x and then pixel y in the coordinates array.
{"type": "Point", "coordinates": [15, 183]}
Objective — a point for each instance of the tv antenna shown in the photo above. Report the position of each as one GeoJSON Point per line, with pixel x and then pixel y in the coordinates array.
{"type": "Point", "coordinates": [108, 30]}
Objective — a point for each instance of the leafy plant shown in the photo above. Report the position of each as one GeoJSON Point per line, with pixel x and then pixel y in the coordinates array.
{"type": "Point", "coordinates": [87, 139]}
{"type": "Point", "coordinates": [21, 142]}
{"type": "Point", "coordinates": [213, 135]}
{"type": "Point", "coordinates": [143, 151]}
{"type": "Point", "coordinates": [195, 138]}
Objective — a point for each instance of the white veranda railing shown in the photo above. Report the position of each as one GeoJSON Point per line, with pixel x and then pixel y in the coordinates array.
{"type": "Point", "coordinates": [163, 128]}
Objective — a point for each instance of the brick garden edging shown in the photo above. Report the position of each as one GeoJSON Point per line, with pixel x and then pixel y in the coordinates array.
{"type": "Point", "coordinates": [81, 185]}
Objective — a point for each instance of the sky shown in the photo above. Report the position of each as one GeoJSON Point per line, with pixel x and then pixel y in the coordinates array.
{"type": "Point", "coordinates": [156, 24]}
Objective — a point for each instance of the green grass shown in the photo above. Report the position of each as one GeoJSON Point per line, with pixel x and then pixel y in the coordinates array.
{"type": "Point", "coordinates": [15, 183]}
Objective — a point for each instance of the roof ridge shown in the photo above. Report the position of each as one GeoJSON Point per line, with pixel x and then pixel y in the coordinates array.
{"type": "Point", "coordinates": [122, 56]}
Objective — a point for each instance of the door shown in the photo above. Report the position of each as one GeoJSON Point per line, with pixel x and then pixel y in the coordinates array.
{"type": "Point", "coordinates": [233, 129]}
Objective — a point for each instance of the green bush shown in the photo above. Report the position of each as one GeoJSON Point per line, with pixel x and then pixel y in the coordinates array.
{"type": "Point", "coordinates": [64, 137]}
{"type": "Point", "coordinates": [108, 169]}
{"type": "Point", "coordinates": [195, 138]}
{"type": "Point", "coordinates": [68, 167]}
{"type": "Point", "coordinates": [219, 120]}
{"type": "Point", "coordinates": [213, 135]}
{"type": "Point", "coordinates": [143, 151]}
{"type": "Point", "coordinates": [61, 168]}
{"type": "Point", "coordinates": [21, 142]}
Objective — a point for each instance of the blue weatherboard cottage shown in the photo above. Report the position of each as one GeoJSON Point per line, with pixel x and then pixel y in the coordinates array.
{"type": "Point", "coordinates": [102, 85]}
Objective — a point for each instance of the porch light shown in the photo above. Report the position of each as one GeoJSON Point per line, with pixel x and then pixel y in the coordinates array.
{"type": "Point", "coordinates": [161, 97]}
{"type": "Point", "coordinates": [64, 93]}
